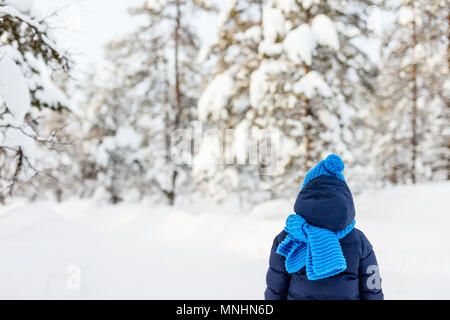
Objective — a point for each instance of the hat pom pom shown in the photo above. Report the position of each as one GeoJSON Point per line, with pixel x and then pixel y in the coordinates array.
{"type": "Point", "coordinates": [334, 164]}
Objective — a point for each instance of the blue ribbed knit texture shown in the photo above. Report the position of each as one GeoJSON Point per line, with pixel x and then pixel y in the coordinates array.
{"type": "Point", "coordinates": [331, 166]}
{"type": "Point", "coordinates": [316, 248]}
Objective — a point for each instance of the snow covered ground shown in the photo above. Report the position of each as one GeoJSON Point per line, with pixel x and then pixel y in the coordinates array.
{"type": "Point", "coordinates": [81, 250]}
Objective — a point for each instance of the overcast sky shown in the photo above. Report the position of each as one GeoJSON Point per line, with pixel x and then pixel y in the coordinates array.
{"type": "Point", "coordinates": [84, 26]}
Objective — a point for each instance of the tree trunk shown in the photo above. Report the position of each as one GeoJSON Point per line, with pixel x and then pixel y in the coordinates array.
{"type": "Point", "coordinates": [177, 67]}
{"type": "Point", "coordinates": [171, 194]}
{"type": "Point", "coordinates": [414, 107]}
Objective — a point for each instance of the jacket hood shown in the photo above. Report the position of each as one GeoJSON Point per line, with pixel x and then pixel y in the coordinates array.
{"type": "Point", "coordinates": [326, 202]}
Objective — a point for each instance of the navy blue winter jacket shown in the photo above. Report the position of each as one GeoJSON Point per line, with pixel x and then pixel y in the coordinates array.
{"type": "Point", "coordinates": [327, 202]}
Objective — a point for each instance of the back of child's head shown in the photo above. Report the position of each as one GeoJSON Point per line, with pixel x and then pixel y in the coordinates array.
{"type": "Point", "coordinates": [325, 199]}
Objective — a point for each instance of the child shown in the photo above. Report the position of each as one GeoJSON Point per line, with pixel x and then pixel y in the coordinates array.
{"type": "Point", "coordinates": [319, 254]}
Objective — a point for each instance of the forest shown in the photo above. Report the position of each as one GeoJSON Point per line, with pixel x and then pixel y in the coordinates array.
{"type": "Point", "coordinates": [285, 83]}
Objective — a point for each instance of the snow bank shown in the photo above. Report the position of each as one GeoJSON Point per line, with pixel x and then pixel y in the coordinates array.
{"type": "Point", "coordinates": [408, 227]}
{"type": "Point", "coordinates": [138, 251]}
{"type": "Point", "coordinates": [260, 80]}
{"type": "Point", "coordinates": [273, 209]}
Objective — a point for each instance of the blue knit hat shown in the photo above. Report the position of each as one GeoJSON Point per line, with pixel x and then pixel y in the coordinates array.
{"type": "Point", "coordinates": [331, 166]}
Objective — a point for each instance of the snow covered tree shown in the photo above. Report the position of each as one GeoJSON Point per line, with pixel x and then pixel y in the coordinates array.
{"type": "Point", "coordinates": [28, 59]}
{"type": "Point", "coordinates": [113, 154]}
{"type": "Point", "coordinates": [411, 141]}
{"type": "Point", "coordinates": [225, 99]}
{"type": "Point", "coordinates": [149, 97]}
{"type": "Point", "coordinates": [298, 70]}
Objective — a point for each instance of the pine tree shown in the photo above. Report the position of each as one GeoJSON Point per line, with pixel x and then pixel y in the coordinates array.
{"type": "Point", "coordinates": [296, 69]}
{"type": "Point", "coordinates": [152, 97]}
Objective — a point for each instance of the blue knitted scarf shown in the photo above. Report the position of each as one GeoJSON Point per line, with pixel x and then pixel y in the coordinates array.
{"type": "Point", "coordinates": [317, 248]}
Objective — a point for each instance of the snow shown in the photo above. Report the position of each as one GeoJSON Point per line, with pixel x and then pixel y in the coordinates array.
{"type": "Point", "coordinates": [300, 44]}
{"type": "Point", "coordinates": [208, 156]}
{"type": "Point", "coordinates": [13, 86]}
{"type": "Point", "coordinates": [272, 209]}
{"type": "Point", "coordinates": [156, 5]}
{"type": "Point", "coordinates": [215, 97]}
{"type": "Point", "coordinates": [308, 3]}
{"type": "Point", "coordinates": [139, 251]}
{"type": "Point", "coordinates": [252, 34]}
{"type": "Point", "coordinates": [269, 48]}
{"type": "Point", "coordinates": [405, 15]}
{"type": "Point", "coordinates": [312, 83]}
{"type": "Point", "coordinates": [257, 86]}
{"type": "Point", "coordinates": [273, 24]}
{"type": "Point", "coordinates": [287, 6]}
{"type": "Point", "coordinates": [127, 137]}
{"type": "Point", "coordinates": [203, 54]}
{"type": "Point", "coordinates": [330, 121]}
{"type": "Point", "coordinates": [260, 80]}
{"type": "Point", "coordinates": [14, 138]}
{"type": "Point", "coordinates": [241, 142]}
{"type": "Point", "coordinates": [325, 31]}
{"type": "Point", "coordinates": [419, 53]}
{"type": "Point", "coordinates": [408, 227]}
{"type": "Point", "coordinates": [22, 74]}
{"type": "Point", "coordinates": [446, 88]}
{"type": "Point", "coordinates": [225, 12]}
{"type": "Point", "coordinates": [24, 6]}
{"type": "Point", "coordinates": [45, 89]}
{"type": "Point", "coordinates": [25, 11]}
